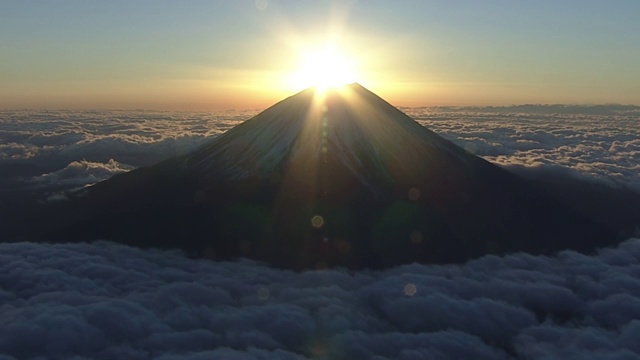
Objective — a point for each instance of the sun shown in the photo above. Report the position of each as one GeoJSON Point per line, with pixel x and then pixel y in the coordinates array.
{"type": "Point", "coordinates": [323, 69]}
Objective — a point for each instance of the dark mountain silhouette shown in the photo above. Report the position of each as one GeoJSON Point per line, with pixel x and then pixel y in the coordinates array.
{"type": "Point", "coordinates": [324, 179]}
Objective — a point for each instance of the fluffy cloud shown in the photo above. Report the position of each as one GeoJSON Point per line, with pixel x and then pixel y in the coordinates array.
{"type": "Point", "coordinates": [105, 301]}
{"type": "Point", "coordinates": [593, 142]}
{"type": "Point", "coordinates": [80, 173]}
{"type": "Point", "coordinates": [57, 138]}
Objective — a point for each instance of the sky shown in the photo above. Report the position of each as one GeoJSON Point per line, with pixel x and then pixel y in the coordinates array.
{"type": "Point", "coordinates": [208, 55]}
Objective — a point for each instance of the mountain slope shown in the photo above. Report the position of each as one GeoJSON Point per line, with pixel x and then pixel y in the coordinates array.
{"type": "Point", "coordinates": [321, 179]}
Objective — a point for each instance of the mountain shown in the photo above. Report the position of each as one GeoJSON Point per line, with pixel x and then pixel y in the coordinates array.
{"type": "Point", "coordinates": [336, 178]}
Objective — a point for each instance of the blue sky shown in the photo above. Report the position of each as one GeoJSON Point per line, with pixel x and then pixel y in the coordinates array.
{"type": "Point", "coordinates": [223, 54]}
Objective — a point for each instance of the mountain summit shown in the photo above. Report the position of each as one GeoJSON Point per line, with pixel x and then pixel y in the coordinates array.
{"type": "Point", "coordinates": [335, 178]}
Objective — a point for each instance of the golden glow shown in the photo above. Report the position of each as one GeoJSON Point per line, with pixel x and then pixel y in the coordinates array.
{"type": "Point", "coordinates": [323, 69]}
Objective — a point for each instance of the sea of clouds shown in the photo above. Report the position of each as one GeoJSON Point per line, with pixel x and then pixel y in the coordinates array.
{"type": "Point", "coordinates": [83, 147]}
{"type": "Point", "coordinates": [600, 143]}
{"type": "Point", "coordinates": [109, 301]}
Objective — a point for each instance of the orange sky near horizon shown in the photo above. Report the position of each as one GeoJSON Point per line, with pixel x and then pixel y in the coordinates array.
{"type": "Point", "coordinates": [214, 55]}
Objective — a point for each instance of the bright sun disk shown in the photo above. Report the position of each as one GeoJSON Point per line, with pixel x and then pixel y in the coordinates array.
{"type": "Point", "coordinates": [324, 69]}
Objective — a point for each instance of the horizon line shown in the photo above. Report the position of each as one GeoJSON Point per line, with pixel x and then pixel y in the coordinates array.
{"type": "Point", "coordinates": [580, 105]}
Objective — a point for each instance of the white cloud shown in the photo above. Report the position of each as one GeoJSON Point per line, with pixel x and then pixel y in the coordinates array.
{"type": "Point", "coordinates": [599, 143]}
{"type": "Point", "coordinates": [80, 173]}
{"type": "Point", "coordinates": [57, 138]}
{"type": "Point", "coordinates": [106, 301]}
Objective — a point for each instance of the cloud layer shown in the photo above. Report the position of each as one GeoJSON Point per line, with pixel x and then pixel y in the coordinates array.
{"type": "Point", "coordinates": [598, 143]}
{"type": "Point", "coordinates": [131, 137]}
{"type": "Point", "coordinates": [108, 301]}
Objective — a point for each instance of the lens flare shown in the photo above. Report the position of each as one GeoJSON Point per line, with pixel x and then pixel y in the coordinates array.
{"type": "Point", "coordinates": [317, 221]}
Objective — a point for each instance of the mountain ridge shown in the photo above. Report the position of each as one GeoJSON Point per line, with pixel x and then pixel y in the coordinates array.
{"type": "Point", "coordinates": [340, 178]}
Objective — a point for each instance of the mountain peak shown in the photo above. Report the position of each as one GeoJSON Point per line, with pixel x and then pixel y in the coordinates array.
{"type": "Point", "coordinates": [340, 178]}
{"type": "Point", "coordinates": [349, 126]}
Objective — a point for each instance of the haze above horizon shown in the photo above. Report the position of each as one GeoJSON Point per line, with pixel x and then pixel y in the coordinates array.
{"type": "Point", "coordinates": [206, 55]}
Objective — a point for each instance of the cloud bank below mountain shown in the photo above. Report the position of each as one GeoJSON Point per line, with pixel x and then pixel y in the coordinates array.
{"type": "Point", "coordinates": [106, 301]}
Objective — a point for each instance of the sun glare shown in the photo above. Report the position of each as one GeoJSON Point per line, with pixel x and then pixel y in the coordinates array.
{"type": "Point", "coordinates": [324, 69]}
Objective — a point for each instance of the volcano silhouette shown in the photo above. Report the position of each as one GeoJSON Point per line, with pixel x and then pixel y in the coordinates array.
{"type": "Point", "coordinates": [336, 178]}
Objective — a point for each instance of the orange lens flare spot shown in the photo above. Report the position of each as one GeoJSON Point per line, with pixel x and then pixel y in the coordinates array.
{"type": "Point", "coordinates": [317, 221]}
